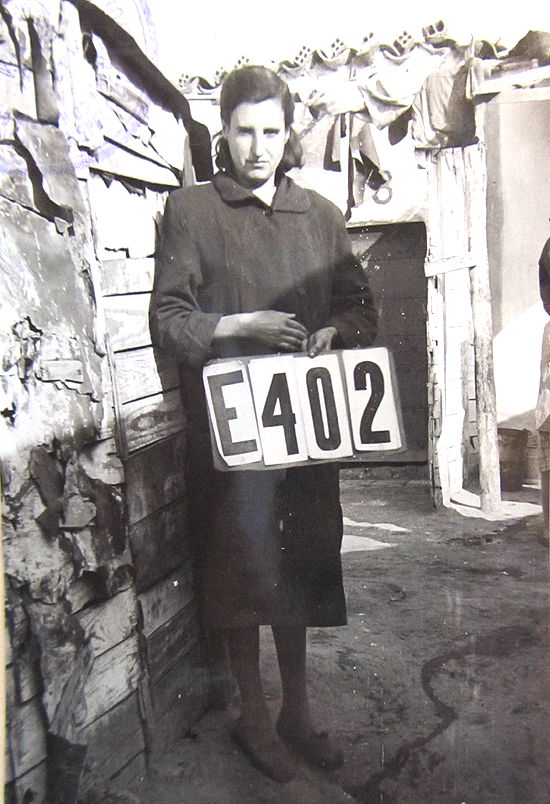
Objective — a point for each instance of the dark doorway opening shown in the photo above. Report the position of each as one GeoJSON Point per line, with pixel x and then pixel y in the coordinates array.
{"type": "Point", "coordinates": [393, 257]}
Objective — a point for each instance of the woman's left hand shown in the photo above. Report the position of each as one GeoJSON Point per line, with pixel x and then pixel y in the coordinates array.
{"type": "Point", "coordinates": [321, 341]}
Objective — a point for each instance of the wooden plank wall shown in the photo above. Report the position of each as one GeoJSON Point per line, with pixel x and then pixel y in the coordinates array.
{"type": "Point", "coordinates": [453, 420]}
{"type": "Point", "coordinates": [112, 726]}
{"type": "Point", "coordinates": [458, 337]}
{"type": "Point", "coordinates": [25, 760]}
{"type": "Point", "coordinates": [132, 609]}
{"type": "Point", "coordinates": [436, 369]}
{"type": "Point", "coordinates": [147, 403]}
{"type": "Point", "coordinates": [150, 420]}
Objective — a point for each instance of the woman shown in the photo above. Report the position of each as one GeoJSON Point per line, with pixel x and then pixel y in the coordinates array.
{"type": "Point", "coordinates": [542, 412]}
{"type": "Point", "coordinates": [252, 264]}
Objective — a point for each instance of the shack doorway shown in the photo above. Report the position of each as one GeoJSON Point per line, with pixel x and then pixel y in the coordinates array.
{"type": "Point", "coordinates": [393, 257]}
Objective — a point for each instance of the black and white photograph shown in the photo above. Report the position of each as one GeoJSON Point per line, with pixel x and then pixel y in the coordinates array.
{"type": "Point", "coordinates": [275, 402]}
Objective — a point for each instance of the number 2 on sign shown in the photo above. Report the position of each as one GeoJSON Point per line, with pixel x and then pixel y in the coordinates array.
{"type": "Point", "coordinates": [372, 404]}
{"type": "Point", "coordinates": [360, 374]}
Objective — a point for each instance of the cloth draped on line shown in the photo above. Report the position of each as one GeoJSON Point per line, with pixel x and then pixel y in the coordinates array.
{"type": "Point", "coordinates": [267, 543]}
{"type": "Point", "coordinates": [425, 92]}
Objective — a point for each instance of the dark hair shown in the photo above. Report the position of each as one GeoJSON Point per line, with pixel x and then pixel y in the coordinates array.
{"type": "Point", "coordinates": [254, 84]}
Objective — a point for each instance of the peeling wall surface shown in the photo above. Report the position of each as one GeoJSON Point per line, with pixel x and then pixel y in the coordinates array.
{"type": "Point", "coordinates": [103, 656]}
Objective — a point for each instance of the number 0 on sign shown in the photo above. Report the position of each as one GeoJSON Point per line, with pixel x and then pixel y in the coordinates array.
{"type": "Point", "coordinates": [292, 409]}
{"type": "Point", "coordinates": [324, 407]}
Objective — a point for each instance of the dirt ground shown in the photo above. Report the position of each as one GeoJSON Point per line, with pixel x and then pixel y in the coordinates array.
{"type": "Point", "coordinates": [438, 688]}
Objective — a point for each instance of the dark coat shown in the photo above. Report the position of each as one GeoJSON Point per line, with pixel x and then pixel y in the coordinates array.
{"type": "Point", "coordinates": [267, 542]}
{"type": "Point", "coordinates": [544, 276]}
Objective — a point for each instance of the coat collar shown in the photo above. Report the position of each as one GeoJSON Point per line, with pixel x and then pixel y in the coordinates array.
{"type": "Point", "coordinates": [288, 197]}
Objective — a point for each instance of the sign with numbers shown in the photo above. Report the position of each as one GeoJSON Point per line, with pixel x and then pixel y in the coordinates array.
{"type": "Point", "coordinates": [281, 410]}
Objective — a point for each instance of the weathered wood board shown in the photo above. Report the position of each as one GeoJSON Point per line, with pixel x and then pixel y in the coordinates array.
{"type": "Point", "coordinates": [146, 421]}
{"type": "Point", "coordinates": [144, 372]}
{"type": "Point", "coordinates": [456, 259]}
{"type": "Point", "coordinates": [112, 159]}
{"type": "Point", "coordinates": [122, 275]}
{"type": "Point", "coordinates": [134, 232]}
{"type": "Point", "coordinates": [27, 737]}
{"type": "Point", "coordinates": [75, 84]}
{"type": "Point", "coordinates": [169, 644]}
{"type": "Point", "coordinates": [27, 684]}
{"type": "Point", "coordinates": [15, 184]}
{"type": "Point", "coordinates": [159, 543]}
{"type": "Point", "coordinates": [111, 622]}
{"type": "Point", "coordinates": [164, 600]}
{"type": "Point", "coordinates": [179, 698]}
{"type": "Point", "coordinates": [106, 416]}
{"type": "Point", "coordinates": [8, 654]}
{"type": "Point", "coordinates": [63, 376]}
{"type": "Point", "coordinates": [113, 740]}
{"type": "Point", "coordinates": [114, 676]}
{"type": "Point", "coordinates": [81, 592]}
{"type": "Point", "coordinates": [30, 785]}
{"type": "Point", "coordinates": [10, 703]}
{"type": "Point", "coordinates": [169, 136]}
{"type": "Point", "coordinates": [17, 92]}
{"type": "Point", "coordinates": [117, 88]}
{"type": "Point", "coordinates": [135, 769]}
{"type": "Point", "coordinates": [127, 320]}
{"type": "Point", "coordinates": [155, 477]}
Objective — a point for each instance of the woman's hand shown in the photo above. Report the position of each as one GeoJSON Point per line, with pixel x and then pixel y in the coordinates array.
{"type": "Point", "coordinates": [321, 341]}
{"type": "Point", "coordinates": [275, 329]}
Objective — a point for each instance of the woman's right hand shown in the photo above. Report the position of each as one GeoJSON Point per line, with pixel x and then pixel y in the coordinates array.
{"type": "Point", "coordinates": [280, 331]}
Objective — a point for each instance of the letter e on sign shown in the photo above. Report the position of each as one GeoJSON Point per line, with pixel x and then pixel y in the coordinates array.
{"type": "Point", "coordinates": [372, 402]}
{"type": "Point", "coordinates": [323, 406]}
{"type": "Point", "coordinates": [278, 410]}
{"type": "Point", "coordinates": [232, 412]}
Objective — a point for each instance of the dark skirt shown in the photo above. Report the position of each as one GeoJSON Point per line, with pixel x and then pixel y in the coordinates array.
{"type": "Point", "coordinates": [266, 543]}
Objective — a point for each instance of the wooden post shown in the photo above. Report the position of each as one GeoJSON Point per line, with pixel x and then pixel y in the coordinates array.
{"type": "Point", "coordinates": [3, 647]}
{"type": "Point", "coordinates": [489, 466]}
{"type": "Point", "coordinates": [476, 193]}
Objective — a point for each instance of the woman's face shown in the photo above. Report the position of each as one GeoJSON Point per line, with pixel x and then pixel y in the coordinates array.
{"type": "Point", "coordinates": [256, 136]}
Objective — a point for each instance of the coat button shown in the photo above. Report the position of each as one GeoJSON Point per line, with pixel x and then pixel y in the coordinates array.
{"type": "Point", "coordinates": [268, 212]}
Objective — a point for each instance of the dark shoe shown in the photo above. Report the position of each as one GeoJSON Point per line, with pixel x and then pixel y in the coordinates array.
{"type": "Point", "coordinates": [266, 753]}
{"type": "Point", "coordinates": [317, 749]}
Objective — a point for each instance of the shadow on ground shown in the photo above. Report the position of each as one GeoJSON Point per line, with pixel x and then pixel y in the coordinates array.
{"type": "Point", "coordinates": [438, 688]}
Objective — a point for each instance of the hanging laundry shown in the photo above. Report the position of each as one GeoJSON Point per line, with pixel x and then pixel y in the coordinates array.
{"type": "Point", "coordinates": [332, 160]}
{"type": "Point", "coordinates": [442, 115]}
{"type": "Point", "coordinates": [365, 172]}
{"type": "Point", "coordinates": [388, 86]}
{"type": "Point", "coordinates": [364, 153]}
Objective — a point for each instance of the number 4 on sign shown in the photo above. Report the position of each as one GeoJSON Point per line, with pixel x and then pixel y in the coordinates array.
{"type": "Point", "coordinates": [278, 410]}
